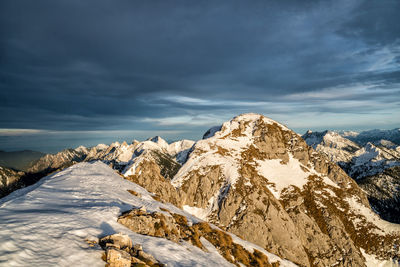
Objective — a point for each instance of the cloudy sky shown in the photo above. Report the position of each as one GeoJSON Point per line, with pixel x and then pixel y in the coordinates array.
{"type": "Point", "coordinates": [83, 72]}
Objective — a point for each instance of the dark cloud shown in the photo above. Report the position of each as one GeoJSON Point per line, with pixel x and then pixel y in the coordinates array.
{"type": "Point", "coordinates": [107, 65]}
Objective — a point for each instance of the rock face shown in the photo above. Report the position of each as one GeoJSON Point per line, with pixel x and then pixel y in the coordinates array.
{"type": "Point", "coordinates": [119, 252]}
{"type": "Point", "coordinates": [257, 179]}
{"type": "Point", "coordinates": [375, 167]}
{"type": "Point", "coordinates": [175, 227]}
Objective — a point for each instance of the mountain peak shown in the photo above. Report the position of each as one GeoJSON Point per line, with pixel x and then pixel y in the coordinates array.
{"type": "Point", "coordinates": [242, 125]}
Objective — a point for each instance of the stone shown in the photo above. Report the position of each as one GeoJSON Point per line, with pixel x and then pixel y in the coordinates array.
{"type": "Point", "coordinates": [149, 259]}
{"type": "Point", "coordinates": [119, 241]}
{"type": "Point", "coordinates": [138, 247]}
{"type": "Point", "coordinates": [118, 258]}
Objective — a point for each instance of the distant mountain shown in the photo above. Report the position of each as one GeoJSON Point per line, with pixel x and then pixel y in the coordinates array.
{"type": "Point", "coordinates": [19, 160]}
{"type": "Point", "coordinates": [120, 156]}
{"type": "Point", "coordinates": [373, 136]}
{"type": "Point", "coordinates": [9, 180]}
{"type": "Point", "coordinates": [375, 166]}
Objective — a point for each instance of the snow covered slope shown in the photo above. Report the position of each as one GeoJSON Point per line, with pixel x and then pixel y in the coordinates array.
{"type": "Point", "coordinates": [49, 223]}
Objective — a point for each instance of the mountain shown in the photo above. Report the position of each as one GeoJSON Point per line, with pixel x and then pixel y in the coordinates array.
{"type": "Point", "coordinates": [118, 155]}
{"type": "Point", "coordinates": [9, 180]}
{"type": "Point", "coordinates": [373, 136]}
{"type": "Point", "coordinates": [375, 167]}
{"type": "Point", "coordinates": [254, 175]}
{"type": "Point", "coordinates": [336, 147]}
{"type": "Point", "coordinates": [59, 221]}
{"type": "Point", "coordinates": [19, 160]}
{"type": "Point", "coordinates": [251, 192]}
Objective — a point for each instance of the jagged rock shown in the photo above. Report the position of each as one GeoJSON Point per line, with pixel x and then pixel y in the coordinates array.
{"type": "Point", "coordinates": [118, 258]}
{"type": "Point", "coordinates": [136, 262]}
{"type": "Point", "coordinates": [222, 241]}
{"type": "Point", "coordinates": [121, 253]}
{"type": "Point", "coordinates": [148, 174]}
{"type": "Point", "coordinates": [147, 258]}
{"type": "Point", "coordinates": [154, 224]}
{"type": "Point", "coordinates": [119, 241]}
{"type": "Point", "coordinates": [138, 247]}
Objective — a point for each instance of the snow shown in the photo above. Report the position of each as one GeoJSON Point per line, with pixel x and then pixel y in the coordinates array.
{"type": "Point", "coordinates": [46, 224]}
{"type": "Point", "coordinates": [336, 147]}
{"type": "Point", "coordinates": [372, 261]}
{"type": "Point", "coordinates": [101, 147]}
{"type": "Point", "coordinates": [384, 226]}
{"type": "Point", "coordinates": [282, 175]}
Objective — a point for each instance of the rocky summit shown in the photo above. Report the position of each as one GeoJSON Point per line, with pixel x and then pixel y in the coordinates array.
{"type": "Point", "coordinates": [251, 193]}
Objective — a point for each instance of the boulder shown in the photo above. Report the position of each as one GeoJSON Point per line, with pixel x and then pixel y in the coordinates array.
{"type": "Point", "coordinates": [118, 258]}
{"type": "Point", "coordinates": [119, 241]}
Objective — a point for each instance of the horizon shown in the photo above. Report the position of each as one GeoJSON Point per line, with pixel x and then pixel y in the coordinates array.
{"type": "Point", "coordinates": [109, 140]}
{"type": "Point", "coordinates": [82, 73]}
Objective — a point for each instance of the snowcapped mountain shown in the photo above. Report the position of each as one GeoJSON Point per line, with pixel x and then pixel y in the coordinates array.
{"type": "Point", "coordinates": [251, 177]}
{"type": "Point", "coordinates": [254, 175]}
{"type": "Point", "coordinates": [58, 222]}
{"type": "Point", "coordinates": [118, 155]}
{"type": "Point", "coordinates": [374, 166]}
{"type": "Point", "coordinates": [336, 147]}
{"type": "Point", "coordinates": [19, 160]}
{"type": "Point", "coordinates": [373, 136]}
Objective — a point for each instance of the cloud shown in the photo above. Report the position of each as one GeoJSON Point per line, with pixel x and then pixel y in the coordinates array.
{"type": "Point", "coordinates": [157, 66]}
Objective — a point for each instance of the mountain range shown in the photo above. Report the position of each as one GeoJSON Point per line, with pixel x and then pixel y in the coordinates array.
{"type": "Point", "coordinates": [375, 166]}
{"type": "Point", "coordinates": [251, 193]}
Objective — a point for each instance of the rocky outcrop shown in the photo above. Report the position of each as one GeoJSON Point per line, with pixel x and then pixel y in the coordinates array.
{"type": "Point", "coordinates": [147, 172]}
{"type": "Point", "coordinates": [175, 227]}
{"type": "Point", "coordinates": [258, 179]}
{"type": "Point", "coordinates": [119, 252]}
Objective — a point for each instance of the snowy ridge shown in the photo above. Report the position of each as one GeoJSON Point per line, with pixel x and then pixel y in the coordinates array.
{"type": "Point", "coordinates": [47, 224]}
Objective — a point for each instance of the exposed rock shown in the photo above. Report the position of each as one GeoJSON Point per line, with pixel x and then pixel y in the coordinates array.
{"type": "Point", "coordinates": [175, 227]}
{"type": "Point", "coordinates": [147, 258]}
{"type": "Point", "coordinates": [261, 181]}
{"type": "Point", "coordinates": [148, 174]}
{"type": "Point", "coordinates": [121, 253]}
{"type": "Point", "coordinates": [119, 241]}
{"type": "Point", "coordinates": [118, 258]}
{"type": "Point", "coordinates": [153, 224]}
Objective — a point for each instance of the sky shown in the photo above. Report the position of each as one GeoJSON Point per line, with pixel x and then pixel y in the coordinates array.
{"type": "Point", "coordinates": [86, 72]}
